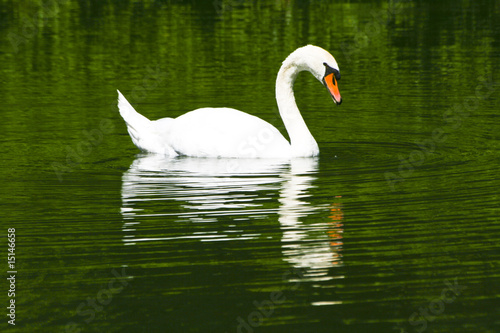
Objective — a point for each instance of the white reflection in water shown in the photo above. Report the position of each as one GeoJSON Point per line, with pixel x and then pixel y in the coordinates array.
{"type": "Point", "coordinates": [312, 248]}
{"type": "Point", "coordinates": [205, 186]}
{"type": "Point", "coordinates": [209, 188]}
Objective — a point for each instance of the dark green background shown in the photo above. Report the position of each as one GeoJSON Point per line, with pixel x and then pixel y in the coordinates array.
{"type": "Point", "coordinates": [403, 199]}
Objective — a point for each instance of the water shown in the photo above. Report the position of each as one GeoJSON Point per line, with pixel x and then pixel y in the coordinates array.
{"type": "Point", "coordinates": [394, 228]}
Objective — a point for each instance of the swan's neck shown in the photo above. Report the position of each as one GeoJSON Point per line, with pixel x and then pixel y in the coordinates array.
{"type": "Point", "coordinates": [301, 140]}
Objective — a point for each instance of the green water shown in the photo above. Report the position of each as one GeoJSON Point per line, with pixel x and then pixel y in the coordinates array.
{"type": "Point", "coordinates": [394, 228]}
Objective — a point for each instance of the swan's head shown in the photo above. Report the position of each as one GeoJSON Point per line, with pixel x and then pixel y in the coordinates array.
{"type": "Point", "coordinates": [321, 64]}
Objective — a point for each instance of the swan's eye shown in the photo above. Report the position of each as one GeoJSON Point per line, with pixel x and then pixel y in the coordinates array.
{"type": "Point", "coordinates": [329, 70]}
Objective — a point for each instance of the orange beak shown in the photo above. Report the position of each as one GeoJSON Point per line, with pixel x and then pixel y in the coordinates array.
{"type": "Point", "coordinates": [331, 83]}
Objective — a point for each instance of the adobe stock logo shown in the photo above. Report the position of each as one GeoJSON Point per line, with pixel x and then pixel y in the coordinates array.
{"type": "Point", "coordinates": [265, 308]}
{"type": "Point", "coordinates": [453, 119]}
{"type": "Point", "coordinates": [103, 297]}
{"type": "Point", "coordinates": [429, 312]}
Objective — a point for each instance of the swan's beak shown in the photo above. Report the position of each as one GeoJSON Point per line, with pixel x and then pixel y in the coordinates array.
{"type": "Point", "coordinates": [331, 84]}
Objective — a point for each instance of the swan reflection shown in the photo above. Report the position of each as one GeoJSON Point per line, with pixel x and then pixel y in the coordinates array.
{"type": "Point", "coordinates": [204, 190]}
{"type": "Point", "coordinates": [204, 186]}
{"type": "Point", "coordinates": [311, 247]}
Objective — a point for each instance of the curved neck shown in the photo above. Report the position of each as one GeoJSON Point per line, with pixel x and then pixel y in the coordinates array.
{"type": "Point", "coordinates": [301, 140]}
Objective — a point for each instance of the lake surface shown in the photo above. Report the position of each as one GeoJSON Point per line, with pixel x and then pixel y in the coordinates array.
{"type": "Point", "coordinates": [393, 228]}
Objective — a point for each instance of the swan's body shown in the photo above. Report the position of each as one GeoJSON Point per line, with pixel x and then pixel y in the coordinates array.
{"type": "Point", "coordinates": [225, 132]}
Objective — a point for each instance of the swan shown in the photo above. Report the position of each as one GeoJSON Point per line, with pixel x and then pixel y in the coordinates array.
{"type": "Point", "coordinates": [226, 132]}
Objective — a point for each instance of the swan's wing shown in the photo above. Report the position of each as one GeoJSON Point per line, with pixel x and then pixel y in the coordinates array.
{"type": "Point", "coordinates": [225, 132]}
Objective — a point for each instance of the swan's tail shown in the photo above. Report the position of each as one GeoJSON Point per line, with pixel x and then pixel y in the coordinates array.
{"type": "Point", "coordinates": [147, 135]}
{"type": "Point", "coordinates": [138, 126]}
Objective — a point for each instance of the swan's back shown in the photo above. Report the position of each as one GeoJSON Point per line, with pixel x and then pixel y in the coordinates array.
{"type": "Point", "coordinates": [226, 132]}
{"type": "Point", "coordinates": [206, 132]}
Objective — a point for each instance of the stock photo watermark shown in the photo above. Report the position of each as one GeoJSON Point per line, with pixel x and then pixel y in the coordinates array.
{"type": "Point", "coordinates": [371, 29]}
{"type": "Point", "coordinates": [31, 24]}
{"type": "Point", "coordinates": [453, 119]}
{"type": "Point", "coordinates": [265, 308]}
{"type": "Point", "coordinates": [428, 312]}
{"type": "Point", "coordinates": [11, 273]}
{"type": "Point", "coordinates": [104, 296]}
{"type": "Point", "coordinates": [77, 153]}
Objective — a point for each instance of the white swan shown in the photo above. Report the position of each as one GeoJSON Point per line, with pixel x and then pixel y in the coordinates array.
{"type": "Point", "coordinates": [225, 132]}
